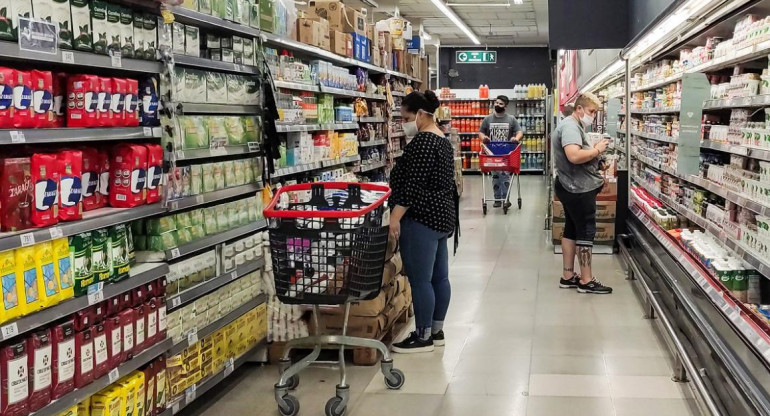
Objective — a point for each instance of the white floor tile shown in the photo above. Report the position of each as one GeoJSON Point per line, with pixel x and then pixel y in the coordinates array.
{"type": "Point", "coordinates": [569, 385]}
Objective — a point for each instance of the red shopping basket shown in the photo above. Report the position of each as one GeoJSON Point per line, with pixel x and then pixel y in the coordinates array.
{"type": "Point", "coordinates": [328, 245]}
{"type": "Point", "coordinates": [510, 162]}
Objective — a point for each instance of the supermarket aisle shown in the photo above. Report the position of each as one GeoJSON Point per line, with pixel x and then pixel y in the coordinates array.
{"type": "Point", "coordinates": [516, 343]}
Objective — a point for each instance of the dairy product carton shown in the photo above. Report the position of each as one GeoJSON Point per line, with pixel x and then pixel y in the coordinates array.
{"type": "Point", "coordinates": [100, 26]}
{"type": "Point", "coordinates": [126, 32]}
{"type": "Point", "coordinates": [82, 30]}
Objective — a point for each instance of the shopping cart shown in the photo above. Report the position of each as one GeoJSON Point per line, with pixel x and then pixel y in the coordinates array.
{"type": "Point", "coordinates": [328, 243]}
{"type": "Point", "coordinates": [505, 157]}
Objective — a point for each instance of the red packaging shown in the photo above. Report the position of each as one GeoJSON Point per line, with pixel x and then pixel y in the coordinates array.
{"type": "Point", "coordinates": [160, 287]}
{"type": "Point", "coordinates": [59, 93]}
{"type": "Point", "coordinates": [101, 351]}
{"type": "Point", "coordinates": [128, 175]}
{"type": "Point", "coordinates": [15, 379]}
{"type": "Point", "coordinates": [151, 313]}
{"type": "Point", "coordinates": [149, 389]}
{"type": "Point", "coordinates": [15, 194]}
{"type": "Point", "coordinates": [127, 325]}
{"type": "Point", "coordinates": [99, 312]}
{"type": "Point", "coordinates": [154, 173]}
{"type": "Point", "coordinates": [115, 341]}
{"type": "Point", "coordinates": [125, 301]}
{"type": "Point", "coordinates": [104, 179]}
{"type": "Point", "coordinates": [113, 306]}
{"type": "Point", "coordinates": [138, 296]}
{"type": "Point", "coordinates": [84, 318]}
{"type": "Point", "coordinates": [42, 99]}
{"type": "Point", "coordinates": [70, 165]}
{"type": "Point", "coordinates": [84, 365]}
{"type": "Point", "coordinates": [7, 85]}
{"type": "Point", "coordinates": [162, 322]}
{"type": "Point", "coordinates": [40, 360]}
{"type": "Point", "coordinates": [149, 290]}
{"type": "Point", "coordinates": [90, 181]}
{"type": "Point", "coordinates": [140, 324]}
{"type": "Point", "coordinates": [118, 102]}
{"type": "Point", "coordinates": [104, 102]}
{"type": "Point", "coordinates": [82, 101]}
{"type": "Point", "coordinates": [45, 179]}
{"type": "Point", "coordinates": [23, 112]}
{"type": "Point", "coordinates": [63, 352]}
{"type": "Point", "coordinates": [131, 105]}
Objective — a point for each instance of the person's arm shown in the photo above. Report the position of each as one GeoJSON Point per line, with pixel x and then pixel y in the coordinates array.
{"type": "Point", "coordinates": [572, 142]}
{"type": "Point", "coordinates": [484, 129]}
{"type": "Point", "coordinates": [516, 132]}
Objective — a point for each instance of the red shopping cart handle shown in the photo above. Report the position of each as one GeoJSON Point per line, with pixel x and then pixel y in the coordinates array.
{"type": "Point", "coordinates": [271, 212]}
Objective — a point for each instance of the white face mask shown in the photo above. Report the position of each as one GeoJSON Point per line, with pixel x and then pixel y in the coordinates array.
{"type": "Point", "coordinates": [410, 129]}
{"type": "Point", "coordinates": [587, 120]}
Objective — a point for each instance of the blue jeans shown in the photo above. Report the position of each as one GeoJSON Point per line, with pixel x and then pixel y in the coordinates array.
{"type": "Point", "coordinates": [501, 181]}
{"type": "Point", "coordinates": [426, 262]}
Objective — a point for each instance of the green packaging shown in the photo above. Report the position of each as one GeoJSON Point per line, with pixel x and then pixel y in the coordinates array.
{"type": "Point", "coordinates": [195, 132]}
{"type": "Point", "coordinates": [235, 131]}
{"type": "Point", "coordinates": [100, 255]}
{"type": "Point", "coordinates": [236, 90]}
{"type": "Point", "coordinates": [196, 179]}
{"type": "Point", "coordinates": [238, 170]}
{"type": "Point", "coordinates": [197, 231]}
{"type": "Point", "coordinates": [140, 242]}
{"type": "Point", "coordinates": [131, 248]}
{"type": "Point", "coordinates": [267, 15]}
{"type": "Point", "coordinates": [232, 215]}
{"type": "Point", "coordinates": [229, 172]}
{"type": "Point", "coordinates": [210, 220]}
{"type": "Point", "coordinates": [222, 220]}
{"type": "Point", "coordinates": [80, 254]}
{"type": "Point", "coordinates": [204, 6]}
{"type": "Point", "coordinates": [254, 15]}
{"type": "Point", "coordinates": [185, 235]}
{"type": "Point", "coordinates": [99, 24]}
{"type": "Point", "coordinates": [250, 87]}
{"type": "Point", "coordinates": [209, 182]}
{"type": "Point", "coordinates": [252, 129]}
{"type": "Point", "coordinates": [195, 86]}
{"type": "Point", "coordinates": [218, 8]}
{"type": "Point", "coordinates": [216, 87]}
{"type": "Point", "coordinates": [119, 252]}
{"type": "Point", "coordinates": [219, 176]}
{"type": "Point", "coordinates": [182, 220]}
{"type": "Point", "coordinates": [242, 207]}
{"type": "Point", "coordinates": [196, 217]}
{"type": "Point", "coordinates": [160, 225]}
{"type": "Point", "coordinates": [163, 242]}
{"type": "Point", "coordinates": [138, 227]}
{"type": "Point", "coordinates": [217, 132]}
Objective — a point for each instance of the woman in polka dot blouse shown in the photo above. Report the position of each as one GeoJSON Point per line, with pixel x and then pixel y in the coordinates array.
{"type": "Point", "coordinates": [424, 216]}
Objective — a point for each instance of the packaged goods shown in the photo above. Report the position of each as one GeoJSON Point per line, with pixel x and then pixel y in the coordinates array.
{"type": "Point", "coordinates": [129, 393]}
{"type": "Point", "coordinates": [216, 87]}
{"type": "Point", "coordinates": [70, 167]}
{"type": "Point", "coordinates": [72, 411]}
{"type": "Point", "coordinates": [42, 99]}
{"type": "Point", "coordinates": [118, 101]}
{"type": "Point", "coordinates": [139, 44]}
{"type": "Point", "coordinates": [27, 270]}
{"type": "Point", "coordinates": [150, 384]}
{"type": "Point", "coordinates": [63, 268]}
{"type": "Point", "coordinates": [84, 366]}
{"type": "Point", "coordinates": [131, 249]}
{"type": "Point", "coordinates": [150, 36]}
{"type": "Point", "coordinates": [140, 324]}
{"type": "Point", "coordinates": [113, 329]}
{"type": "Point", "coordinates": [131, 106]}
{"type": "Point", "coordinates": [154, 173]}
{"type": "Point", "coordinates": [162, 321]}
{"type": "Point", "coordinates": [104, 102]}
{"type": "Point", "coordinates": [22, 100]}
{"type": "Point", "coordinates": [150, 102]}
{"type": "Point", "coordinates": [100, 27]}
{"type": "Point", "coordinates": [126, 33]}
{"type": "Point", "coordinates": [48, 281]}
{"type": "Point", "coordinates": [195, 132]}
{"type": "Point", "coordinates": [59, 89]}
{"type": "Point", "coordinates": [151, 313]}
{"type": "Point", "coordinates": [40, 361]}
{"type": "Point", "coordinates": [63, 359]}
{"type": "Point", "coordinates": [192, 41]}
{"type": "Point", "coordinates": [82, 100]}
{"type": "Point", "coordinates": [15, 194]}
{"type": "Point", "coordinates": [14, 373]}
{"type": "Point", "coordinates": [100, 256]}
{"type": "Point", "coordinates": [160, 385]}
{"type": "Point", "coordinates": [11, 285]}
{"type": "Point", "coordinates": [101, 350]}
{"type": "Point", "coordinates": [136, 380]}
{"type": "Point", "coordinates": [128, 176]}
{"type": "Point", "coordinates": [118, 238]}
{"type": "Point", "coordinates": [80, 253]}
{"type": "Point", "coordinates": [108, 402]}
{"type": "Point", "coordinates": [104, 179]}
{"type": "Point", "coordinates": [81, 25]}
{"type": "Point", "coordinates": [127, 328]}
{"type": "Point", "coordinates": [177, 38]}
{"type": "Point", "coordinates": [84, 408]}
{"type": "Point", "coordinates": [90, 178]}
{"type": "Point", "coordinates": [7, 85]}
{"type": "Point", "coordinates": [114, 29]}
{"type": "Point", "coordinates": [45, 179]}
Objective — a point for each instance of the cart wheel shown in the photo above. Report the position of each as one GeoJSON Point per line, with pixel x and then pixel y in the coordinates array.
{"type": "Point", "coordinates": [484, 209]}
{"type": "Point", "coordinates": [505, 209]}
{"type": "Point", "coordinates": [399, 381]}
{"type": "Point", "coordinates": [519, 203]}
{"type": "Point", "coordinates": [333, 407]}
{"type": "Point", "coordinates": [293, 382]}
{"type": "Point", "coordinates": [292, 406]}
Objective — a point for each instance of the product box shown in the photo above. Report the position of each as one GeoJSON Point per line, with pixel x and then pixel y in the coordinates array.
{"type": "Point", "coordinates": [338, 42]}
{"type": "Point", "coordinates": [605, 233]}
{"type": "Point", "coordinates": [192, 41]}
{"type": "Point", "coordinates": [194, 86]}
{"type": "Point", "coordinates": [267, 15]}
{"type": "Point", "coordinates": [355, 22]}
{"type": "Point", "coordinates": [308, 31]}
{"type": "Point", "coordinates": [332, 11]}
{"type": "Point", "coordinates": [126, 32]}
{"type": "Point", "coordinates": [178, 37]}
{"type": "Point", "coordinates": [349, 45]}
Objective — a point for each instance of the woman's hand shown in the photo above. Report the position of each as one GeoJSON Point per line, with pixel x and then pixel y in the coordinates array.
{"type": "Point", "coordinates": [395, 229]}
{"type": "Point", "coordinates": [601, 145]}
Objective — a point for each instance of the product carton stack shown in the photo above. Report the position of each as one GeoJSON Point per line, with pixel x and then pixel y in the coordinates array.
{"type": "Point", "coordinates": [606, 209]}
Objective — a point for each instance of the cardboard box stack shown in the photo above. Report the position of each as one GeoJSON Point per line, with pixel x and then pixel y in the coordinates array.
{"type": "Point", "coordinates": [606, 209]}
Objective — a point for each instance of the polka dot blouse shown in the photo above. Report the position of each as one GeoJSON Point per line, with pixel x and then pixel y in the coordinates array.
{"type": "Point", "coordinates": [423, 181]}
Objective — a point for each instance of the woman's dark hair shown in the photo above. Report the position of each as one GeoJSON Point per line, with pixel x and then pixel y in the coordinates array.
{"type": "Point", "coordinates": [417, 101]}
{"type": "Point", "coordinates": [503, 98]}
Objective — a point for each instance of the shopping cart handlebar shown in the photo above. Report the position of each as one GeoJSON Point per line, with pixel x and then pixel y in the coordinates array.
{"type": "Point", "coordinates": [271, 212]}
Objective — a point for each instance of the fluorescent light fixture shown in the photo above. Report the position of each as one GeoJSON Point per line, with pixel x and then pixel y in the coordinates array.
{"type": "Point", "coordinates": [518, 1]}
{"type": "Point", "coordinates": [456, 20]}
{"type": "Point", "coordinates": [602, 77]}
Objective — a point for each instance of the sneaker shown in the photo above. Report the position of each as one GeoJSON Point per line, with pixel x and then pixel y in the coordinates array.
{"type": "Point", "coordinates": [497, 204]}
{"type": "Point", "coordinates": [594, 286]}
{"type": "Point", "coordinates": [571, 283]}
{"type": "Point", "coordinates": [438, 338]}
{"type": "Point", "coordinates": [413, 344]}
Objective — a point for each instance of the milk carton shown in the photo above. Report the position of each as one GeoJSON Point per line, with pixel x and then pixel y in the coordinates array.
{"type": "Point", "coordinates": [100, 26]}
{"type": "Point", "coordinates": [150, 36]}
{"type": "Point", "coordinates": [82, 30]}
{"type": "Point", "coordinates": [126, 32]}
{"type": "Point", "coordinates": [138, 20]}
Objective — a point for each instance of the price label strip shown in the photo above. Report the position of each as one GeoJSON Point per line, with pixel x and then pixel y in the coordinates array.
{"type": "Point", "coordinates": [27, 239]}
{"type": "Point", "coordinates": [229, 367]}
{"type": "Point", "coordinates": [9, 331]}
{"type": "Point", "coordinates": [113, 375]}
{"type": "Point", "coordinates": [17, 137]}
{"type": "Point", "coordinates": [192, 337]}
{"type": "Point", "coordinates": [190, 394]}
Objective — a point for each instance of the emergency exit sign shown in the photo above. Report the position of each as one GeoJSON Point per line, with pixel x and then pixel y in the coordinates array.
{"type": "Point", "coordinates": [476, 57]}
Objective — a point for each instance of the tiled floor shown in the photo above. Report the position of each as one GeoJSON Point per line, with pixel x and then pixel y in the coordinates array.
{"type": "Point", "coordinates": [516, 344]}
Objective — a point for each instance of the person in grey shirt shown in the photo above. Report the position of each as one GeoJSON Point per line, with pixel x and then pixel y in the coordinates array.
{"type": "Point", "coordinates": [501, 127]}
{"type": "Point", "coordinates": [577, 184]}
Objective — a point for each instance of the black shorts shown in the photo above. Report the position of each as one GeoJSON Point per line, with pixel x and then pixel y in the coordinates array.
{"type": "Point", "coordinates": [580, 212]}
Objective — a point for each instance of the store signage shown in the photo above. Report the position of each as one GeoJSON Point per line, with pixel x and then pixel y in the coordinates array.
{"type": "Point", "coordinates": [476, 57]}
{"type": "Point", "coordinates": [695, 90]}
{"type": "Point", "coordinates": [38, 36]}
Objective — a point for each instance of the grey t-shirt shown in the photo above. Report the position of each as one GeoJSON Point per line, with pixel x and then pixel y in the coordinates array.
{"type": "Point", "coordinates": [500, 129]}
{"type": "Point", "coordinates": [574, 178]}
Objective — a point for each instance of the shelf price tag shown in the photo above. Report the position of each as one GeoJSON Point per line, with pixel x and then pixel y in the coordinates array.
{"type": "Point", "coordinates": [190, 394]}
{"type": "Point", "coordinates": [96, 293]}
{"type": "Point", "coordinates": [147, 131]}
{"type": "Point", "coordinates": [175, 252]}
{"type": "Point", "coordinates": [116, 60]}
{"type": "Point", "coordinates": [113, 375]}
{"type": "Point", "coordinates": [233, 275]}
{"type": "Point", "coordinates": [192, 337]}
{"type": "Point", "coordinates": [56, 232]}
{"type": "Point", "coordinates": [175, 302]}
{"type": "Point", "coordinates": [17, 137]}
{"type": "Point", "coordinates": [27, 239]}
{"type": "Point", "coordinates": [175, 408]}
{"type": "Point", "coordinates": [9, 331]}
{"type": "Point", "coordinates": [68, 57]}
{"type": "Point", "coordinates": [229, 367]}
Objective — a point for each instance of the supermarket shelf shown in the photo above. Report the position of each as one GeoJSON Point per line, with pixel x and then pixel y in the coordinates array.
{"type": "Point", "coordinates": [342, 92]}
{"type": "Point", "coordinates": [139, 275]}
{"type": "Point", "coordinates": [371, 167]}
{"type": "Point", "coordinates": [372, 120]}
{"type": "Point", "coordinates": [371, 143]}
{"type": "Point", "coordinates": [202, 20]}
{"type": "Point", "coordinates": [532, 170]}
{"type": "Point", "coordinates": [74, 135]}
{"type": "Point", "coordinates": [670, 80]}
{"type": "Point", "coordinates": [398, 94]}
{"type": "Point", "coordinates": [468, 134]}
{"type": "Point", "coordinates": [531, 115]}
{"type": "Point", "coordinates": [210, 285]}
{"type": "Point", "coordinates": [92, 220]}
{"type": "Point", "coordinates": [214, 239]}
{"type": "Point", "coordinates": [315, 165]}
{"type": "Point", "coordinates": [71, 399]}
{"type": "Point", "coordinates": [205, 108]}
{"type": "Point", "coordinates": [742, 102]}
{"type": "Point", "coordinates": [527, 99]}
{"type": "Point", "coordinates": [466, 99]}
{"type": "Point", "coordinates": [293, 128]}
{"type": "Point", "coordinates": [372, 96]}
{"type": "Point", "coordinates": [664, 110]}
{"type": "Point", "coordinates": [204, 386]}
{"type": "Point", "coordinates": [193, 154]}
{"type": "Point", "coordinates": [11, 51]}
{"type": "Point", "coordinates": [193, 201]}
{"type": "Point", "coordinates": [297, 86]}
{"type": "Point", "coordinates": [744, 54]}
{"type": "Point", "coordinates": [396, 135]}
{"type": "Point", "coordinates": [738, 150]}
{"type": "Point", "coordinates": [470, 116]}
{"type": "Point", "coordinates": [204, 63]}
{"type": "Point", "coordinates": [531, 152]}
{"type": "Point", "coordinates": [657, 137]}
{"type": "Point", "coordinates": [340, 126]}
{"type": "Point", "coordinates": [396, 154]}
{"type": "Point", "coordinates": [219, 324]}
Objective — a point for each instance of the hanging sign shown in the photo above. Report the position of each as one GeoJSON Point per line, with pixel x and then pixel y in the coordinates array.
{"type": "Point", "coordinates": [476, 57]}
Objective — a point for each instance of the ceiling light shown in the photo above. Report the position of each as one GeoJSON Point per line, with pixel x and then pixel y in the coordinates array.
{"type": "Point", "coordinates": [605, 75]}
{"type": "Point", "coordinates": [456, 20]}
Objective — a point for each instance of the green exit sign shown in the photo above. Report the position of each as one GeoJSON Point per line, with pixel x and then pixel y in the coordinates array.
{"type": "Point", "coordinates": [476, 57]}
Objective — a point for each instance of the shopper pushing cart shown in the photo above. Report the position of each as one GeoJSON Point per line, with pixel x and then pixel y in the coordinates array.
{"type": "Point", "coordinates": [501, 127]}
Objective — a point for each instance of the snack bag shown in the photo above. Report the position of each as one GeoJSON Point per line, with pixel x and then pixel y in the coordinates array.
{"type": "Point", "coordinates": [84, 366]}
{"type": "Point", "coordinates": [7, 85]}
{"type": "Point", "coordinates": [48, 281]}
{"type": "Point", "coordinates": [114, 341]}
{"type": "Point", "coordinates": [104, 179]}
{"type": "Point", "coordinates": [11, 284]}
{"type": "Point", "coordinates": [70, 166]}
{"type": "Point", "coordinates": [150, 102]}
{"type": "Point", "coordinates": [63, 358]}
{"type": "Point", "coordinates": [100, 255]}
{"type": "Point", "coordinates": [104, 102]}
{"type": "Point", "coordinates": [90, 178]}
{"type": "Point", "coordinates": [64, 270]}
{"type": "Point", "coordinates": [119, 262]}
{"type": "Point", "coordinates": [15, 194]}
{"type": "Point", "coordinates": [108, 402]}
{"type": "Point", "coordinates": [42, 99]}
{"type": "Point", "coordinates": [101, 351]}
{"type": "Point", "coordinates": [129, 391]}
{"type": "Point", "coordinates": [118, 102]}
{"type": "Point", "coordinates": [14, 374]}
{"type": "Point", "coordinates": [131, 105]}
{"type": "Point", "coordinates": [45, 179]}
{"type": "Point", "coordinates": [154, 173]}
{"type": "Point", "coordinates": [82, 101]}
{"type": "Point", "coordinates": [128, 176]}
{"type": "Point", "coordinates": [23, 114]}
{"type": "Point", "coordinates": [59, 91]}
{"type": "Point", "coordinates": [40, 369]}
{"type": "Point", "coordinates": [137, 380]}
{"type": "Point", "coordinates": [26, 268]}
{"type": "Point", "coordinates": [80, 256]}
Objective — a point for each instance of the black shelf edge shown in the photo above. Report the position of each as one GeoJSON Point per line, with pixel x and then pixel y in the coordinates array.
{"type": "Point", "coordinates": [214, 239]}
{"type": "Point", "coordinates": [195, 292]}
{"type": "Point", "coordinates": [72, 58]}
{"type": "Point", "coordinates": [205, 108]}
{"type": "Point", "coordinates": [193, 201]}
{"type": "Point", "coordinates": [187, 16]}
{"type": "Point", "coordinates": [75, 135]}
{"type": "Point", "coordinates": [204, 63]}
